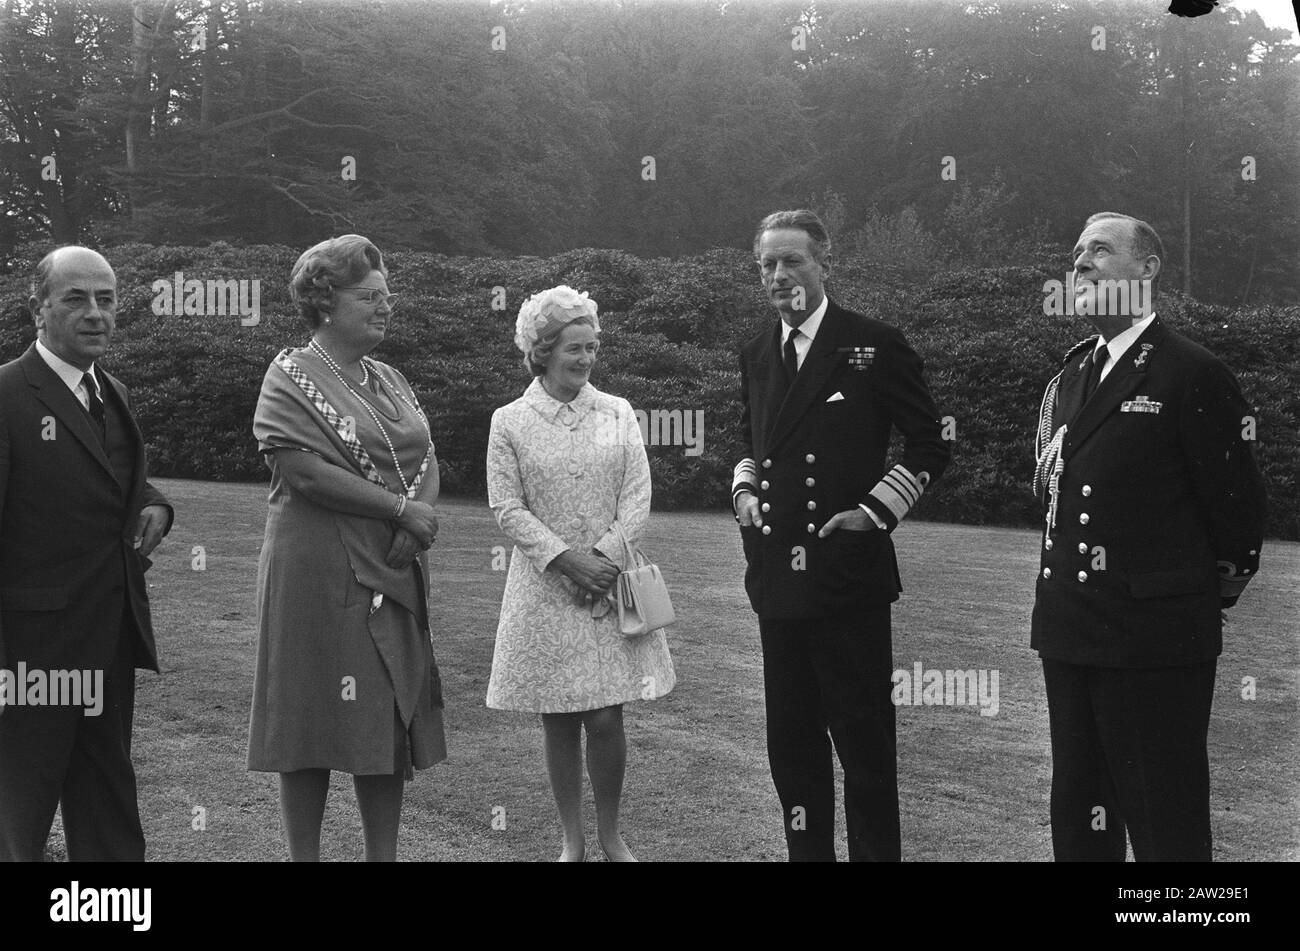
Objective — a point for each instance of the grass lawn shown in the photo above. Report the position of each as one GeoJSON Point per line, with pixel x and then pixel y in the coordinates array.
{"type": "Point", "coordinates": [972, 787]}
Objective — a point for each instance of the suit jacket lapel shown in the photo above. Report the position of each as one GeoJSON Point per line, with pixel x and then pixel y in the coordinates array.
{"type": "Point", "coordinates": [1120, 384]}
{"type": "Point", "coordinates": [54, 393]}
{"type": "Point", "coordinates": [767, 389]}
{"type": "Point", "coordinates": [817, 367]}
{"type": "Point", "coordinates": [1073, 391]}
{"type": "Point", "coordinates": [118, 392]}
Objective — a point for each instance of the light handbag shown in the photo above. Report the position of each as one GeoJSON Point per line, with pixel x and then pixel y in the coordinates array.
{"type": "Point", "coordinates": [643, 602]}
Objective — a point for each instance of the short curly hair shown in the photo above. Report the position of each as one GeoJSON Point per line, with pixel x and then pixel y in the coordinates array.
{"type": "Point", "coordinates": [536, 359]}
{"type": "Point", "coordinates": [334, 263]}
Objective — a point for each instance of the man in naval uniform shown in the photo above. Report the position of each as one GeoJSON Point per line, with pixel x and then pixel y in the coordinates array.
{"type": "Point", "coordinates": [821, 390]}
{"type": "Point", "coordinates": [1154, 521]}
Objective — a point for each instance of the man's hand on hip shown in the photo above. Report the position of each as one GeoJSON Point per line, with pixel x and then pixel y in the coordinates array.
{"type": "Point", "coordinates": [854, 520]}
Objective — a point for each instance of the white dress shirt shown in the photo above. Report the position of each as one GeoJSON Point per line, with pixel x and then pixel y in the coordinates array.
{"type": "Point", "coordinates": [807, 331]}
{"type": "Point", "coordinates": [70, 375]}
{"type": "Point", "coordinates": [1118, 344]}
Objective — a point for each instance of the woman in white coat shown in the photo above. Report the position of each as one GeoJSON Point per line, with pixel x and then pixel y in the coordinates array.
{"type": "Point", "coordinates": [568, 481]}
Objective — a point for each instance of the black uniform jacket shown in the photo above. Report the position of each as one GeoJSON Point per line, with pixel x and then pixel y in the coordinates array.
{"type": "Point", "coordinates": [819, 449]}
{"type": "Point", "coordinates": [1160, 507]}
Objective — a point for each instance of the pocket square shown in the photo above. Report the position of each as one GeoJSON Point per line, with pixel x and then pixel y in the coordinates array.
{"type": "Point", "coordinates": [838, 396]}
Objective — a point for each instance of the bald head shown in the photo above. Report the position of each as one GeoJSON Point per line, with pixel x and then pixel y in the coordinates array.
{"type": "Point", "coordinates": [74, 304]}
{"type": "Point", "coordinates": [69, 255]}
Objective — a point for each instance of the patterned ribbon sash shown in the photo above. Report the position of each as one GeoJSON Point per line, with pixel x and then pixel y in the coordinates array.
{"type": "Point", "coordinates": [345, 432]}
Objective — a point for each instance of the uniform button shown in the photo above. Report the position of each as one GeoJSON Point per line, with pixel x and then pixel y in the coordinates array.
{"type": "Point", "coordinates": [1083, 576]}
{"type": "Point", "coordinates": [1086, 490]}
{"type": "Point", "coordinates": [811, 528]}
{"type": "Point", "coordinates": [1083, 548]}
{"type": "Point", "coordinates": [1047, 572]}
{"type": "Point", "coordinates": [1083, 518]}
{"type": "Point", "coordinates": [810, 482]}
{"type": "Point", "coordinates": [573, 466]}
{"type": "Point", "coordinates": [764, 485]}
{"type": "Point", "coordinates": [812, 506]}
{"type": "Point", "coordinates": [767, 463]}
{"type": "Point", "coordinates": [767, 529]}
{"type": "Point", "coordinates": [1048, 544]}
{"type": "Point", "coordinates": [810, 458]}
{"type": "Point", "coordinates": [767, 507]}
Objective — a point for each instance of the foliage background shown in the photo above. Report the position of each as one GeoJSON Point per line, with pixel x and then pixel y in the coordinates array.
{"type": "Point", "coordinates": [672, 328]}
{"type": "Point", "coordinates": [477, 128]}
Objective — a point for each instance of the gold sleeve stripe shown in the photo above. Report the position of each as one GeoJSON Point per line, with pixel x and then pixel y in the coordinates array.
{"type": "Point", "coordinates": [746, 471]}
{"type": "Point", "coordinates": [898, 491]}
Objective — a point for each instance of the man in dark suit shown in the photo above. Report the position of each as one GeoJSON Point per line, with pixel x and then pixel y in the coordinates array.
{"type": "Point", "coordinates": [77, 522]}
{"type": "Point", "coordinates": [821, 391]}
{"type": "Point", "coordinates": [1154, 522]}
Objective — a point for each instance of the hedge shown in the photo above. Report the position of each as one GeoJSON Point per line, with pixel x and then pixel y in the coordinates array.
{"type": "Point", "coordinates": [671, 329]}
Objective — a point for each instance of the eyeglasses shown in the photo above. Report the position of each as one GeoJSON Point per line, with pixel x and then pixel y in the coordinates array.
{"type": "Point", "coordinates": [374, 296]}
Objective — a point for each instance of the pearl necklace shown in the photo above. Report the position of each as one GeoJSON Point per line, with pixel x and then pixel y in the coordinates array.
{"type": "Point", "coordinates": [338, 372]}
{"type": "Point", "coordinates": [365, 372]}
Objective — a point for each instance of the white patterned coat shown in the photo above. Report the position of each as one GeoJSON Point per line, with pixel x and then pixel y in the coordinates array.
{"type": "Point", "coordinates": [568, 476]}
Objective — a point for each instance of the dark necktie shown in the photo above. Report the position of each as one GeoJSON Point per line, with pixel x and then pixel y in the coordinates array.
{"type": "Point", "coordinates": [790, 358]}
{"type": "Point", "coordinates": [96, 405]}
{"type": "Point", "coordinates": [1099, 358]}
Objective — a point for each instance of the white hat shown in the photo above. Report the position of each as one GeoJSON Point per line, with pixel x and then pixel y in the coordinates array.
{"type": "Point", "coordinates": [548, 311]}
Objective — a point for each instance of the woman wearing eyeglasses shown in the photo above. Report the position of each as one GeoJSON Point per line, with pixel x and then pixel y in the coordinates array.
{"type": "Point", "coordinates": [346, 678]}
